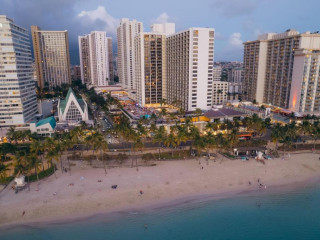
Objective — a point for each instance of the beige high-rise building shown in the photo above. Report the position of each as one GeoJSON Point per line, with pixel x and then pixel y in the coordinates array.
{"type": "Point", "coordinates": [110, 59]}
{"type": "Point", "coordinates": [51, 53]}
{"type": "Point", "coordinates": [150, 68]}
{"type": "Point", "coordinates": [269, 63]}
{"type": "Point", "coordinates": [126, 33]}
{"type": "Point", "coordinates": [190, 68]}
{"type": "Point", "coordinates": [84, 54]}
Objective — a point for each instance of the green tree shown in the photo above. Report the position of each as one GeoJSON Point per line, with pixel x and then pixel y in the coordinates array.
{"type": "Point", "coordinates": [198, 113]}
{"type": "Point", "coordinates": [4, 168]}
{"type": "Point", "coordinates": [170, 141]}
{"type": "Point", "coordinates": [276, 134]}
{"type": "Point", "coordinates": [159, 137]}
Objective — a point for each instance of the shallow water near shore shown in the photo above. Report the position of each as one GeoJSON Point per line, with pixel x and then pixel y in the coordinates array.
{"type": "Point", "coordinates": [290, 214]}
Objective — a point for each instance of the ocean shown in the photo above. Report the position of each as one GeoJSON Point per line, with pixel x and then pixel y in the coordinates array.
{"type": "Point", "coordinates": [288, 214]}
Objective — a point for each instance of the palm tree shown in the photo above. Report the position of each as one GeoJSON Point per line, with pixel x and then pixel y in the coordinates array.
{"type": "Point", "coordinates": [199, 143]}
{"type": "Point", "coordinates": [53, 150]}
{"type": "Point", "coordinates": [3, 171]}
{"type": "Point", "coordinates": [153, 129]}
{"type": "Point", "coordinates": [163, 112]}
{"type": "Point", "coordinates": [210, 127]}
{"type": "Point", "coordinates": [159, 137]}
{"type": "Point", "coordinates": [181, 135]}
{"type": "Point", "coordinates": [233, 138]}
{"type": "Point", "coordinates": [276, 133]}
{"type": "Point", "coordinates": [19, 163]}
{"type": "Point", "coordinates": [68, 142]}
{"type": "Point", "coordinates": [192, 134]}
{"type": "Point", "coordinates": [12, 134]}
{"type": "Point", "coordinates": [211, 141]}
{"type": "Point", "coordinates": [286, 141]}
{"type": "Point", "coordinates": [198, 113]}
{"type": "Point", "coordinates": [171, 141]}
{"type": "Point", "coordinates": [7, 148]}
{"type": "Point", "coordinates": [163, 102]}
{"type": "Point", "coordinates": [137, 147]}
{"type": "Point", "coordinates": [292, 132]}
{"type": "Point", "coordinates": [100, 144]}
{"type": "Point", "coordinates": [154, 118]}
{"type": "Point", "coordinates": [38, 148]}
{"type": "Point", "coordinates": [34, 162]}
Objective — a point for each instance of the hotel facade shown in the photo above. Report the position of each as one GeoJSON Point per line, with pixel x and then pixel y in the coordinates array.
{"type": "Point", "coordinates": [190, 55]}
{"type": "Point", "coordinates": [18, 102]}
{"type": "Point", "coordinates": [51, 53]}
{"type": "Point", "coordinates": [269, 64]}
{"type": "Point", "coordinates": [94, 52]}
{"type": "Point", "coordinates": [126, 33]}
{"type": "Point", "coordinates": [150, 68]}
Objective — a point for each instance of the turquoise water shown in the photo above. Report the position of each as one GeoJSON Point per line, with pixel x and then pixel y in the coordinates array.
{"type": "Point", "coordinates": [294, 214]}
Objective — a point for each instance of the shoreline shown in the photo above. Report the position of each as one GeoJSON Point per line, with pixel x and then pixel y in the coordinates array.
{"type": "Point", "coordinates": [274, 186]}
{"type": "Point", "coordinates": [166, 204]}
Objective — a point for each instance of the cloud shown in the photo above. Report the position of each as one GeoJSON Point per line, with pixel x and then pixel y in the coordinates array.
{"type": "Point", "coordinates": [100, 19]}
{"type": "Point", "coordinates": [252, 29]}
{"type": "Point", "coordinates": [230, 50]}
{"type": "Point", "coordinates": [232, 8]}
{"type": "Point", "coordinates": [235, 40]}
{"type": "Point", "coordinates": [163, 18]}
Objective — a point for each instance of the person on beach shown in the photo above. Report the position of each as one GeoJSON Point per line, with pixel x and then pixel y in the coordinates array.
{"type": "Point", "coordinates": [141, 192]}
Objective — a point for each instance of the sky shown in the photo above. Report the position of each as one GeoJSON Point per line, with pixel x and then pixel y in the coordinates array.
{"type": "Point", "coordinates": [234, 21]}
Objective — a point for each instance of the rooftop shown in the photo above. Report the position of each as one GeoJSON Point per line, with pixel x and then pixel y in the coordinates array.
{"type": "Point", "coordinates": [49, 120]}
{"type": "Point", "coordinates": [63, 103]}
{"type": "Point", "coordinates": [223, 112]}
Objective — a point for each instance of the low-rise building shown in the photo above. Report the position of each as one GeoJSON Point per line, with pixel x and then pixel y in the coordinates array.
{"type": "Point", "coordinates": [221, 114]}
{"type": "Point", "coordinates": [44, 127]}
{"type": "Point", "coordinates": [219, 92]}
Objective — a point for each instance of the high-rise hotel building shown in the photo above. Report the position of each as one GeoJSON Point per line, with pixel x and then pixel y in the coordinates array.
{"type": "Point", "coordinates": [190, 68]}
{"type": "Point", "coordinates": [84, 55]}
{"type": "Point", "coordinates": [305, 87]}
{"type": "Point", "coordinates": [269, 63]}
{"type": "Point", "coordinates": [126, 33]}
{"type": "Point", "coordinates": [95, 59]}
{"type": "Point", "coordinates": [51, 53]}
{"type": "Point", "coordinates": [150, 68]}
{"type": "Point", "coordinates": [18, 103]}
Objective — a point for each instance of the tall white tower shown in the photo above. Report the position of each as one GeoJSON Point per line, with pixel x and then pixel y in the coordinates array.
{"type": "Point", "coordinates": [126, 33]}
{"type": "Point", "coordinates": [95, 58]}
{"type": "Point", "coordinates": [18, 101]}
{"type": "Point", "coordinates": [190, 68]}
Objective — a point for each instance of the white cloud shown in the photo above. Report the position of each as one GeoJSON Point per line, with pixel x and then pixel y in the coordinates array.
{"type": "Point", "coordinates": [163, 18]}
{"type": "Point", "coordinates": [101, 18]}
{"type": "Point", "coordinates": [235, 40]}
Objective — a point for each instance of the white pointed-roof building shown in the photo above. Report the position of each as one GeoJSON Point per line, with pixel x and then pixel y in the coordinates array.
{"type": "Point", "coordinates": [72, 109]}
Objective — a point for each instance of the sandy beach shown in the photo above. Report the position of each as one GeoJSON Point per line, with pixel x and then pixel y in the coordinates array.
{"type": "Point", "coordinates": [88, 191]}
